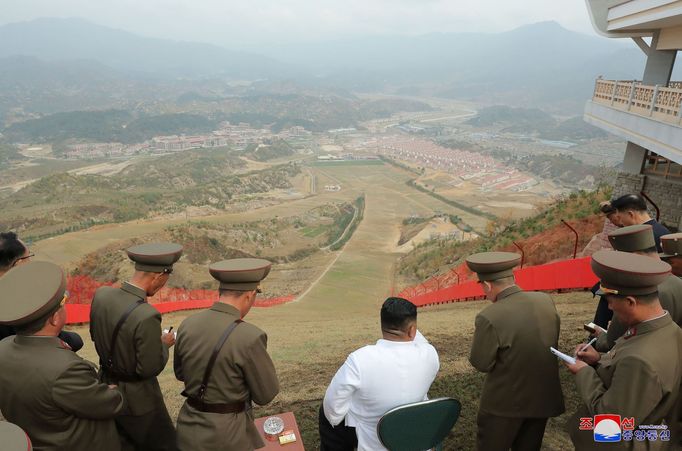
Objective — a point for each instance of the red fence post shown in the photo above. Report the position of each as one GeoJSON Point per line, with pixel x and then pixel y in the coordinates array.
{"type": "Point", "coordinates": [523, 254]}
{"type": "Point", "coordinates": [575, 246]}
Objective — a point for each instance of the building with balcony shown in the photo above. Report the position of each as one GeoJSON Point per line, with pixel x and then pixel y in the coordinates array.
{"type": "Point", "coordinates": [647, 113]}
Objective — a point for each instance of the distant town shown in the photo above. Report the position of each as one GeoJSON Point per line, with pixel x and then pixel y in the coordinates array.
{"type": "Point", "coordinates": [237, 136]}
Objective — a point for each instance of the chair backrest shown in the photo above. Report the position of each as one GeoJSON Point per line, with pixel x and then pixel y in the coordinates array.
{"type": "Point", "coordinates": [418, 426]}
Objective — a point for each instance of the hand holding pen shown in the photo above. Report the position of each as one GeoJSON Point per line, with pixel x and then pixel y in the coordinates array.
{"type": "Point", "coordinates": [587, 353]}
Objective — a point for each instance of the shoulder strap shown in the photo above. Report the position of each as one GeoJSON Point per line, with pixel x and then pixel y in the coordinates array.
{"type": "Point", "coordinates": [109, 360]}
{"type": "Point", "coordinates": [216, 349]}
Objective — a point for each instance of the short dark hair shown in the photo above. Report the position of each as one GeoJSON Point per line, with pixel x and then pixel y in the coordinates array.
{"type": "Point", "coordinates": [642, 298]}
{"type": "Point", "coordinates": [647, 298]}
{"type": "Point", "coordinates": [37, 324]}
{"type": "Point", "coordinates": [10, 249]}
{"type": "Point", "coordinates": [629, 202]}
{"type": "Point", "coordinates": [232, 293]}
{"type": "Point", "coordinates": [397, 313]}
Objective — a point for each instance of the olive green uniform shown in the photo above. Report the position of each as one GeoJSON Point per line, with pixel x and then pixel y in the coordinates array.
{"type": "Point", "coordinates": [640, 378]}
{"type": "Point", "coordinates": [139, 357]}
{"type": "Point", "coordinates": [522, 389]}
{"type": "Point", "coordinates": [243, 372]}
{"type": "Point", "coordinates": [55, 396]}
{"type": "Point", "coordinates": [638, 238]}
{"type": "Point", "coordinates": [670, 296]}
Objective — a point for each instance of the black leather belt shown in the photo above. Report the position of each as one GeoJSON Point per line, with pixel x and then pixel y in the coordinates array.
{"type": "Point", "coordinates": [201, 406]}
{"type": "Point", "coordinates": [112, 375]}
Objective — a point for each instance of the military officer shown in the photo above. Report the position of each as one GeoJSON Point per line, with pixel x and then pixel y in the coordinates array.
{"type": "Point", "coordinates": [14, 252]}
{"type": "Point", "coordinates": [133, 351]}
{"type": "Point", "coordinates": [224, 364]}
{"type": "Point", "coordinates": [672, 252]}
{"type": "Point", "coordinates": [640, 377]}
{"type": "Point", "coordinates": [511, 344]}
{"type": "Point", "coordinates": [672, 255]}
{"type": "Point", "coordinates": [603, 315]}
{"type": "Point", "coordinates": [639, 239]}
{"type": "Point", "coordinates": [47, 390]}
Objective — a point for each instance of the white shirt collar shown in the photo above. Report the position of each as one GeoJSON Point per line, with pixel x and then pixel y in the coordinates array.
{"type": "Point", "coordinates": [665, 312]}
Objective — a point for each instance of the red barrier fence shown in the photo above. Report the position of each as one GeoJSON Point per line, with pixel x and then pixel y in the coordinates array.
{"type": "Point", "coordinates": [82, 289]}
{"type": "Point", "coordinates": [80, 313]}
{"type": "Point", "coordinates": [562, 275]}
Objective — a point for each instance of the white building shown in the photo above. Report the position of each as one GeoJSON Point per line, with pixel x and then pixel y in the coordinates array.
{"type": "Point", "coordinates": [647, 112]}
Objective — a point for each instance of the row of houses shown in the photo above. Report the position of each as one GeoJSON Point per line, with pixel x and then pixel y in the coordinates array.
{"type": "Point", "coordinates": [481, 170]}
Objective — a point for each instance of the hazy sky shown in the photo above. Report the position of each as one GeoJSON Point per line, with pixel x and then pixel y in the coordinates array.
{"type": "Point", "coordinates": [253, 23]}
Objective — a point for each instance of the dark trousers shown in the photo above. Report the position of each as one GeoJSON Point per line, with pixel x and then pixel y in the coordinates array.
{"type": "Point", "coordinates": [336, 438]}
{"type": "Point", "coordinates": [603, 314]}
{"type": "Point", "coordinates": [503, 433]}
{"type": "Point", "coordinates": [153, 431]}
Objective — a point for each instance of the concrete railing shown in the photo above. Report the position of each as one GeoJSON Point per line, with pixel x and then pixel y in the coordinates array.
{"type": "Point", "coordinates": [663, 103]}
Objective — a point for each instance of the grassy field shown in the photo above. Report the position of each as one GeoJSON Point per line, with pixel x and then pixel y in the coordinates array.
{"type": "Point", "coordinates": [384, 186]}
{"type": "Point", "coordinates": [310, 338]}
{"type": "Point", "coordinates": [40, 168]}
{"type": "Point", "coordinates": [314, 231]}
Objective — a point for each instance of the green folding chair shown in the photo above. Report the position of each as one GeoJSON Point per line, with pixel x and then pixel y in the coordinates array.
{"type": "Point", "coordinates": [418, 426]}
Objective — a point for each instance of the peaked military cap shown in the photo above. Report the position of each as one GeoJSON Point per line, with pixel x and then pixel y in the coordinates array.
{"type": "Point", "coordinates": [13, 438]}
{"type": "Point", "coordinates": [240, 274]}
{"type": "Point", "coordinates": [672, 245]}
{"type": "Point", "coordinates": [493, 265]}
{"type": "Point", "coordinates": [155, 257]}
{"type": "Point", "coordinates": [633, 238]}
{"type": "Point", "coordinates": [628, 274]}
{"type": "Point", "coordinates": [30, 291]}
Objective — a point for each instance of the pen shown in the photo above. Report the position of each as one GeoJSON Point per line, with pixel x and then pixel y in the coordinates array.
{"type": "Point", "coordinates": [588, 344]}
{"type": "Point", "coordinates": [170, 329]}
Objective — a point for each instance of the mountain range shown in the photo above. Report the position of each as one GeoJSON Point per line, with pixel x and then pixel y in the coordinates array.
{"type": "Point", "coordinates": [67, 39]}
{"type": "Point", "coordinates": [69, 60]}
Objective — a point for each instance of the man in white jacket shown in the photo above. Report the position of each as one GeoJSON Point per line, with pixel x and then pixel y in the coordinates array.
{"type": "Point", "coordinates": [397, 370]}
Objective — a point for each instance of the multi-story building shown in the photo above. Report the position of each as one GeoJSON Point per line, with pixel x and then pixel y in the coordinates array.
{"type": "Point", "coordinates": [647, 112]}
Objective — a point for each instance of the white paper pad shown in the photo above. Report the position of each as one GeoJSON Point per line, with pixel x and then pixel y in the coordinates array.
{"type": "Point", "coordinates": [562, 356]}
